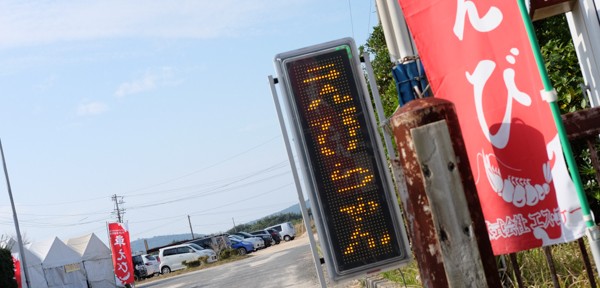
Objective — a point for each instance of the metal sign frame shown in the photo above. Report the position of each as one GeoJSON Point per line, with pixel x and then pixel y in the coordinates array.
{"type": "Point", "coordinates": [332, 253]}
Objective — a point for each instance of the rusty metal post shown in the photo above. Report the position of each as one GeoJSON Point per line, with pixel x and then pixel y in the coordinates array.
{"type": "Point", "coordinates": [444, 217]}
{"type": "Point", "coordinates": [550, 261]}
{"type": "Point", "coordinates": [586, 261]}
{"type": "Point", "coordinates": [515, 265]}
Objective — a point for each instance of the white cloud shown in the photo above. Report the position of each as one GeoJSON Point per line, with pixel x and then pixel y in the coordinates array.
{"type": "Point", "coordinates": [38, 22]}
{"type": "Point", "coordinates": [148, 82]}
{"type": "Point", "coordinates": [91, 108]}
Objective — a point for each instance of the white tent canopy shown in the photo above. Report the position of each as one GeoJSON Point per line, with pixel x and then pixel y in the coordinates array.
{"type": "Point", "coordinates": [62, 265]}
{"type": "Point", "coordinates": [34, 267]}
{"type": "Point", "coordinates": [96, 258]}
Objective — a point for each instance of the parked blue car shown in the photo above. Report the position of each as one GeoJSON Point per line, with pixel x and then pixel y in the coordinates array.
{"type": "Point", "coordinates": [242, 247]}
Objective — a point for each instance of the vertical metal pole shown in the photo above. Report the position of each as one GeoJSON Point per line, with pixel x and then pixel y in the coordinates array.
{"type": "Point", "coordinates": [116, 199]}
{"type": "Point", "coordinates": [192, 230]}
{"type": "Point", "coordinates": [379, 107]}
{"type": "Point", "coordinates": [388, 30]}
{"type": "Point", "coordinates": [288, 148]}
{"type": "Point", "coordinates": [12, 204]}
{"type": "Point", "coordinates": [586, 261]}
{"type": "Point", "coordinates": [399, 28]}
{"type": "Point", "coordinates": [515, 265]}
{"type": "Point", "coordinates": [548, 254]}
{"type": "Point", "coordinates": [234, 228]}
{"type": "Point", "coordinates": [593, 231]}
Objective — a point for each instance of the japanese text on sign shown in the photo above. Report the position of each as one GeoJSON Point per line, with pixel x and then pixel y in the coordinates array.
{"type": "Point", "coordinates": [351, 191]}
{"type": "Point", "coordinates": [515, 155]}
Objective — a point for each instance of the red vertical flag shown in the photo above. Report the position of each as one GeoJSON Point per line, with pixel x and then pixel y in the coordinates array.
{"type": "Point", "coordinates": [121, 252]}
{"type": "Point", "coordinates": [17, 269]}
{"type": "Point", "coordinates": [477, 55]}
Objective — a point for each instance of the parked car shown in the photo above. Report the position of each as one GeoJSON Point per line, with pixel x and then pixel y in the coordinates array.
{"type": "Point", "coordinates": [276, 236]}
{"type": "Point", "coordinates": [286, 230]}
{"type": "Point", "coordinates": [215, 242]}
{"type": "Point", "coordinates": [171, 257]}
{"type": "Point", "coordinates": [241, 246]}
{"type": "Point", "coordinates": [257, 242]}
{"type": "Point", "coordinates": [152, 264]}
{"type": "Point", "coordinates": [265, 236]}
{"type": "Point", "coordinates": [139, 269]}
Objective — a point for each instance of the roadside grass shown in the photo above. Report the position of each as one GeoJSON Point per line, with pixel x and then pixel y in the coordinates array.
{"type": "Point", "coordinates": [568, 262]}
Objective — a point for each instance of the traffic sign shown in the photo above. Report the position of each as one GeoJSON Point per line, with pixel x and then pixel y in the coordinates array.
{"type": "Point", "coordinates": [341, 158]}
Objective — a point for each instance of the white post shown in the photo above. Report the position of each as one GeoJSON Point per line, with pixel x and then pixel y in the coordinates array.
{"type": "Point", "coordinates": [400, 30]}
{"type": "Point", "coordinates": [584, 24]}
{"type": "Point", "coordinates": [388, 30]}
{"type": "Point", "coordinates": [397, 37]}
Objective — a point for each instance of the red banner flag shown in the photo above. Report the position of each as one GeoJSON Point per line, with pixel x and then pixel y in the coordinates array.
{"type": "Point", "coordinates": [121, 252]}
{"type": "Point", "coordinates": [17, 269]}
{"type": "Point", "coordinates": [477, 55]}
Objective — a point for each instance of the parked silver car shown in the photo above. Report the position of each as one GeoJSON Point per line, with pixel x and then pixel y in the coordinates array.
{"type": "Point", "coordinates": [152, 264]}
{"type": "Point", "coordinates": [171, 257]}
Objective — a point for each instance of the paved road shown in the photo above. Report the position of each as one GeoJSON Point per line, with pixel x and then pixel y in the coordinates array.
{"type": "Point", "coordinates": [288, 264]}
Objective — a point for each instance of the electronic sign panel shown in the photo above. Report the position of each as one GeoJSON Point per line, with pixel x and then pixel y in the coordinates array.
{"type": "Point", "coordinates": [354, 204]}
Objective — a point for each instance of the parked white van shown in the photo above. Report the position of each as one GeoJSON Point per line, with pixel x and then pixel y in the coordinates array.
{"type": "Point", "coordinates": [286, 230]}
{"type": "Point", "coordinates": [171, 257]}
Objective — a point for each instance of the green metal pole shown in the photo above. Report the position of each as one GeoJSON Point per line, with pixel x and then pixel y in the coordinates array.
{"type": "Point", "coordinates": [562, 134]}
{"type": "Point", "coordinates": [592, 231]}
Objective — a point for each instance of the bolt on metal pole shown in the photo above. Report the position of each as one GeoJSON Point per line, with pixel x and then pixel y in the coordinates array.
{"type": "Point", "coordinates": [593, 231]}
{"type": "Point", "coordinates": [12, 204]}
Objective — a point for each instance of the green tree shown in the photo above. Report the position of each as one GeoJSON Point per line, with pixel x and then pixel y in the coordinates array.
{"type": "Point", "coordinates": [561, 62]}
{"type": "Point", "coordinates": [267, 221]}
{"type": "Point", "coordinates": [382, 67]}
{"type": "Point", "coordinates": [7, 273]}
{"type": "Point", "coordinates": [564, 71]}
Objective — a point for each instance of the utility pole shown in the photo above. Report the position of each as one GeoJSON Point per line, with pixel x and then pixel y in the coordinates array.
{"type": "Point", "coordinates": [118, 211]}
{"type": "Point", "coordinates": [192, 230]}
{"type": "Point", "coordinates": [12, 204]}
{"type": "Point", "coordinates": [234, 229]}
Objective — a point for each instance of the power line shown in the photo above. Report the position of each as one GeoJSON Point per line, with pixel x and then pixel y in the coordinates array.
{"type": "Point", "coordinates": [228, 204]}
{"type": "Point", "coordinates": [246, 199]}
{"type": "Point", "coordinates": [45, 204]}
{"type": "Point", "coordinates": [61, 203]}
{"type": "Point", "coordinates": [119, 211]}
{"type": "Point", "coordinates": [212, 213]}
{"type": "Point", "coordinates": [204, 168]}
{"type": "Point", "coordinates": [351, 20]}
{"type": "Point", "coordinates": [237, 179]}
{"type": "Point", "coordinates": [370, 13]}
{"type": "Point", "coordinates": [209, 192]}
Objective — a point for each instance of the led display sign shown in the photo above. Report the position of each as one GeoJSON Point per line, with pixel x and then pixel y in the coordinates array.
{"type": "Point", "coordinates": [355, 208]}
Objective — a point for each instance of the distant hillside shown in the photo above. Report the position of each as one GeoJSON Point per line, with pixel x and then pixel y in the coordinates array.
{"type": "Point", "coordinates": [157, 241]}
{"type": "Point", "coordinates": [292, 209]}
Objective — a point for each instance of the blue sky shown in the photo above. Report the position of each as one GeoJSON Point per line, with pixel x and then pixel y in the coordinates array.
{"type": "Point", "coordinates": [165, 103]}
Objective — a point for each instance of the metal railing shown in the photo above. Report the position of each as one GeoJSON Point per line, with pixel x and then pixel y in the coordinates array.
{"type": "Point", "coordinates": [583, 127]}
